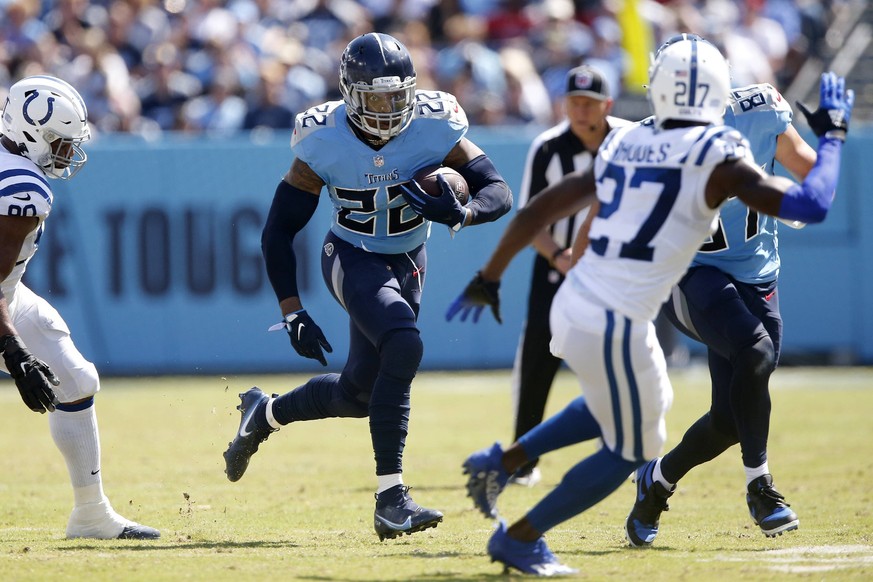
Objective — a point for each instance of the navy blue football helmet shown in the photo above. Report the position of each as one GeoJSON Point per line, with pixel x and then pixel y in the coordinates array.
{"type": "Point", "coordinates": [377, 81]}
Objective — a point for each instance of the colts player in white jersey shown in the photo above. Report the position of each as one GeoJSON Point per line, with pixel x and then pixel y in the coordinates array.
{"type": "Point", "coordinates": [659, 187]}
{"type": "Point", "coordinates": [365, 151]}
{"type": "Point", "coordinates": [44, 124]}
{"type": "Point", "coordinates": [729, 301]}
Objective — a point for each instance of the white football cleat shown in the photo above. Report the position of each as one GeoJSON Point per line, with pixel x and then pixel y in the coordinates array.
{"type": "Point", "coordinates": [99, 521]}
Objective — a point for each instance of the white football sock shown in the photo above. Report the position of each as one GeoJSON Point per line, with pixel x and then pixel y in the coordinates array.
{"type": "Point", "coordinates": [271, 420]}
{"type": "Point", "coordinates": [388, 481]}
{"type": "Point", "coordinates": [658, 476]}
{"type": "Point", "coordinates": [76, 436]}
{"type": "Point", "coordinates": [753, 473]}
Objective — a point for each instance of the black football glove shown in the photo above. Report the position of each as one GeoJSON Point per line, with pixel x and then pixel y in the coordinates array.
{"type": "Point", "coordinates": [831, 119]}
{"type": "Point", "coordinates": [444, 208]}
{"type": "Point", "coordinates": [32, 376]}
{"type": "Point", "coordinates": [306, 337]}
{"type": "Point", "coordinates": [475, 297]}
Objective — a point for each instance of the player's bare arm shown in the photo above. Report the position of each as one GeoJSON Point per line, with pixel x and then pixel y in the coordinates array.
{"type": "Point", "coordinates": [13, 231]}
{"type": "Point", "coordinates": [562, 199]}
{"type": "Point", "coordinates": [794, 154]}
{"type": "Point", "coordinates": [545, 245]}
{"type": "Point", "coordinates": [749, 183]}
{"type": "Point", "coordinates": [463, 152]}
{"type": "Point", "coordinates": [581, 242]}
{"type": "Point", "coordinates": [300, 175]}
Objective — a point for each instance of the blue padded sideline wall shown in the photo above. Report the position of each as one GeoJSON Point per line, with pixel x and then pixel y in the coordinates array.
{"type": "Point", "coordinates": [152, 255]}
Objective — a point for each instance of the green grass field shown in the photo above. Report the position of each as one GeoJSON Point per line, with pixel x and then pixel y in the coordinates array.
{"type": "Point", "coordinates": [304, 509]}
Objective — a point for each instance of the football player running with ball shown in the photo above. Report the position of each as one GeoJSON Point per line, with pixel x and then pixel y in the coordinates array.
{"type": "Point", "coordinates": [365, 150]}
{"type": "Point", "coordinates": [659, 186]}
{"type": "Point", "coordinates": [44, 124]}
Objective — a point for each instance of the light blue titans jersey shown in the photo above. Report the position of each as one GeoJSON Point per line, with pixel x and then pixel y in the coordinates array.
{"type": "Point", "coordinates": [364, 184]}
{"type": "Point", "coordinates": [745, 245]}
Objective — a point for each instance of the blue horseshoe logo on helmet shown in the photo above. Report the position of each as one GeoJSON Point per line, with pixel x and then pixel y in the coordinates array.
{"type": "Point", "coordinates": [51, 106]}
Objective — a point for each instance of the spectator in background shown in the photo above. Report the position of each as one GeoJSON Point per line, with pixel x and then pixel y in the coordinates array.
{"type": "Point", "coordinates": [514, 19]}
{"type": "Point", "coordinates": [468, 69]}
{"type": "Point", "coordinates": [220, 111]}
{"type": "Point", "coordinates": [526, 99]}
{"type": "Point", "coordinates": [266, 108]}
{"type": "Point", "coordinates": [166, 89]}
{"type": "Point", "coordinates": [21, 30]}
{"type": "Point", "coordinates": [209, 35]}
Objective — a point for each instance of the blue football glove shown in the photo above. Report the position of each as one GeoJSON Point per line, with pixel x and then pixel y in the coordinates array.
{"type": "Point", "coordinates": [306, 337]}
{"type": "Point", "coordinates": [475, 297]}
{"type": "Point", "coordinates": [444, 208]}
{"type": "Point", "coordinates": [831, 119]}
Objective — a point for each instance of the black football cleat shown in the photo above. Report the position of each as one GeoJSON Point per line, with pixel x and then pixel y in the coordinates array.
{"type": "Point", "coordinates": [397, 514]}
{"type": "Point", "coordinates": [641, 525]}
{"type": "Point", "coordinates": [768, 508]}
{"type": "Point", "coordinates": [249, 436]}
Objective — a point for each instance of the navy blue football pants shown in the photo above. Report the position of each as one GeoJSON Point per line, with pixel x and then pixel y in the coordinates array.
{"type": "Point", "coordinates": [382, 296]}
{"type": "Point", "coordinates": [742, 329]}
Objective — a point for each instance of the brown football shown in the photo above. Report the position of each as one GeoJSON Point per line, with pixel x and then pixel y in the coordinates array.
{"type": "Point", "coordinates": [427, 179]}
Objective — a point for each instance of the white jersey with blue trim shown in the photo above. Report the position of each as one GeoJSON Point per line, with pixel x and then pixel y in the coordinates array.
{"type": "Point", "coordinates": [24, 191]}
{"type": "Point", "coordinates": [745, 244]}
{"type": "Point", "coordinates": [653, 214]}
{"type": "Point", "coordinates": [364, 184]}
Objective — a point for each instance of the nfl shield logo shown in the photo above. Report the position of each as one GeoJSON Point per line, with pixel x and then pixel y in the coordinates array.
{"type": "Point", "coordinates": [584, 80]}
{"type": "Point", "coordinates": [378, 161]}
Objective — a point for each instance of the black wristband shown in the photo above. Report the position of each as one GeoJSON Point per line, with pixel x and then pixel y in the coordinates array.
{"type": "Point", "coordinates": [556, 254]}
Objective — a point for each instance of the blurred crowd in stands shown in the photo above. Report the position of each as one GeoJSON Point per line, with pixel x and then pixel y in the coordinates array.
{"type": "Point", "coordinates": [150, 66]}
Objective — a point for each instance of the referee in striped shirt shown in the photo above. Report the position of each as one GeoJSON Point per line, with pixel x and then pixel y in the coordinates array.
{"type": "Point", "coordinates": [567, 147]}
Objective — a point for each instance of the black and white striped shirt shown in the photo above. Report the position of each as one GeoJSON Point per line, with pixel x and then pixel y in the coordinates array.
{"type": "Point", "coordinates": [553, 154]}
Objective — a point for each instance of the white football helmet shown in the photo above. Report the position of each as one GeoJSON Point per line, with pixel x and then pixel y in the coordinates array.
{"type": "Point", "coordinates": [689, 80]}
{"type": "Point", "coordinates": [47, 119]}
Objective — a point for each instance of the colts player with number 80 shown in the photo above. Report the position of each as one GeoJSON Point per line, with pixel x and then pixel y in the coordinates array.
{"type": "Point", "coordinates": [365, 150]}
{"type": "Point", "coordinates": [44, 124]}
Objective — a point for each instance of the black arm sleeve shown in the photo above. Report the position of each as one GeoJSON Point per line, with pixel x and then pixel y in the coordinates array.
{"type": "Point", "coordinates": [492, 197]}
{"type": "Point", "coordinates": [291, 210]}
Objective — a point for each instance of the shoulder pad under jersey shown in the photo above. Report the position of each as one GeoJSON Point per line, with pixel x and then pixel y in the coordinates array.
{"type": "Point", "coordinates": [24, 189]}
{"type": "Point", "coordinates": [720, 143]}
{"type": "Point", "coordinates": [313, 119]}
{"type": "Point", "coordinates": [769, 112]}
{"type": "Point", "coordinates": [439, 105]}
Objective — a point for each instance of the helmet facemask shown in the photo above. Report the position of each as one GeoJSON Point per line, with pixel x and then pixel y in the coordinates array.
{"type": "Point", "coordinates": [64, 157]}
{"type": "Point", "coordinates": [383, 109]}
{"type": "Point", "coordinates": [377, 81]}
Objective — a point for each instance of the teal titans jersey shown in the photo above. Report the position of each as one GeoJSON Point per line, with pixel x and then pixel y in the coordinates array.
{"type": "Point", "coordinates": [745, 245]}
{"type": "Point", "coordinates": [369, 211]}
